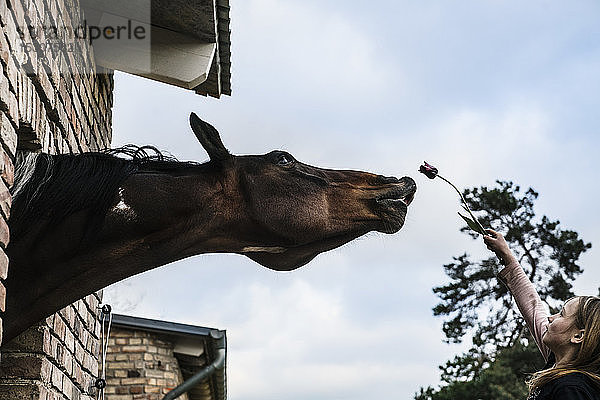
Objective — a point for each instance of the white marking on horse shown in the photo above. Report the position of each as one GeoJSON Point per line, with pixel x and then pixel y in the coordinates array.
{"type": "Point", "coordinates": [122, 208]}
{"type": "Point", "coordinates": [259, 249]}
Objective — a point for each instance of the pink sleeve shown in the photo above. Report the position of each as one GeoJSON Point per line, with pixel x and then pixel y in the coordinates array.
{"type": "Point", "coordinates": [531, 306]}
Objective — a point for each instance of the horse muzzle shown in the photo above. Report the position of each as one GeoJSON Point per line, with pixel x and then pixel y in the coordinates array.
{"type": "Point", "coordinates": [392, 204]}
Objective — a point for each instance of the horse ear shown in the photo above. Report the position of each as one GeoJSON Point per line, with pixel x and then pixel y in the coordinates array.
{"type": "Point", "coordinates": [209, 138]}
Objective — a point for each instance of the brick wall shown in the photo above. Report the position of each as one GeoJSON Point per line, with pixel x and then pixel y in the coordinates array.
{"type": "Point", "coordinates": [57, 359]}
{"type": "Point", "coordinates": [52, 99]}
{"type": "Point", "coordinates": [140, 365]}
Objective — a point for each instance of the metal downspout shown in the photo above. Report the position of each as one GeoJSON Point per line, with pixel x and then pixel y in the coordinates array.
{"type": "Point", "coordinates": [218, 363]}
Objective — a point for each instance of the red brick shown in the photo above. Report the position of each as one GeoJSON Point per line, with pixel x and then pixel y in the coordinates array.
{"type": "Point", "coordinates": [133, 381]}
{"type": "Point", "coordinates": [30, 61]}
{"type": "Point", "coordinates": [2, 297]}
{"type": "Point", "coordinates": [8, 135]}
{"type": "Point", "coordinates": [3, 259]}
{"type": "Point", "coordinates": [46, 371]}
{"type": "Point", "coordinates": [136, 390]}
{"type": "Point", "coordinates": [13, 73]}
{"type": "Point", "coordinates": [28, 104]}
{"type": "Point", "coordinates": [3, 12]}
{"type": "Point", "coordinates": [4, 49]}
{"type": "Point", "coordinates": [7, 169]}
{"type": "Point", "coordinates": [4, 90]}
{"type": "Point", "coordinates": [67, 362]}
{"type": "Point", "coordinates": [57, 378]}
{"type": "Point", "coordinates": [59, 327]}
{"type": "Point", "coordinates": [152, 389]}
{"type": "Point", "coordinates": [67, 389]}
{"type": "Point", "coordinates": [134, 349]}
{"type": "Point", "coordinates": [19, 13]}
{"type": "Point", "coordinates": [31, 11]}
{"type": "Point", "coordinates": [44, 86]}
{"type": "Point", "coordinates": [122, 390]}
{"type": "Point", "coordinates": [8, 102]}
{"type": "Point", "coordinates": [14, 41]}
{"type": "Point", "coordinates": [70, 341]}
{"type": "Point", "coordinates": [5, 199]}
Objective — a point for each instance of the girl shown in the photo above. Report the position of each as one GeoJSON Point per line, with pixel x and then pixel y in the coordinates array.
{"type": "Point", "coordinates": [569, 340]}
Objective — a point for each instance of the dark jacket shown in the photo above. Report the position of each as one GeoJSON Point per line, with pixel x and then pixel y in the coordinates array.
{"type": "Point", "coordinates": [575, 386]}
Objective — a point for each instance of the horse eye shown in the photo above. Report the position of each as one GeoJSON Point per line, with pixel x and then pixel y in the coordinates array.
{"type": "Point", "coordinates": [284, 159]}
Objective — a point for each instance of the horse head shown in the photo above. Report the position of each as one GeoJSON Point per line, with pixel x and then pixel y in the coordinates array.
{"type": "Point", "coordinates": [287, 212]}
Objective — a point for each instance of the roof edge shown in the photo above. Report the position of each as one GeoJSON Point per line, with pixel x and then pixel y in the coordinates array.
{"type": "Point", "coordinates": [158, 326]}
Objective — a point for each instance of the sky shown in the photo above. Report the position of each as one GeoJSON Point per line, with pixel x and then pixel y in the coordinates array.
{"type": "Point", "coordinates": [483, 90]}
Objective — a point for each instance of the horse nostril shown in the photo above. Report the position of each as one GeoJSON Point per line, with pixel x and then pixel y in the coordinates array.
{"type": "Point", "coordinates": [408, 182]}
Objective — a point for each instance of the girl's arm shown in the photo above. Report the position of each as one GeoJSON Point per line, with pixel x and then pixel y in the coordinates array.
{"type": "Point", "coordinates": [531, 306]}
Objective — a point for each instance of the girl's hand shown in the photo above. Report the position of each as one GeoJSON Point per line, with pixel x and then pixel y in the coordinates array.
{"type": "Point", "coordinates": [496, 243]}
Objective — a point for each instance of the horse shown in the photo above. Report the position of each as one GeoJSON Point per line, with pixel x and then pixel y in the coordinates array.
{"type": "Point", "coordinates": [80, 222]}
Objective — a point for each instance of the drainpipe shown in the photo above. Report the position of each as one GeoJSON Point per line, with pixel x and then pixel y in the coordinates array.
{"type": "Point", "coordinates": [218, 363]}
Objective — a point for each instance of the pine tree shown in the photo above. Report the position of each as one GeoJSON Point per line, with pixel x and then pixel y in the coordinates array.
{"type": "Point", "coordinates": [475, 304]}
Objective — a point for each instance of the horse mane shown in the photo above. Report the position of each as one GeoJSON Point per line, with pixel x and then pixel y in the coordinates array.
{"type": "Point", "coordinates": [52, 187]}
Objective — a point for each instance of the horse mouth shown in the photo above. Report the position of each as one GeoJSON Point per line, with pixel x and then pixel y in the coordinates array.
{"type": "Point", "coordinates": [392, 200]}
{"type": "Point", "coordinates": [392, 205]}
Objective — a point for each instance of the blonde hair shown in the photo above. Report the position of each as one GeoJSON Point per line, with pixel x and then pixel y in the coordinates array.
{"type": "Point", "coordinates": [587, 358]}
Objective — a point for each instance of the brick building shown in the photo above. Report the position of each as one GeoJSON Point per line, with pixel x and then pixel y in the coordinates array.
{"type": "Point", "coordinates": [148, 358]}
{"type": "Point", "coordinates": [56, 96]}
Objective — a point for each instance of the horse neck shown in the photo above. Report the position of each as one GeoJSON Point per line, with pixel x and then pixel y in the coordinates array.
{"type": "Point", "coordinates": [157, 218]}
{"type": "Point", "coordinates": [172, 216]}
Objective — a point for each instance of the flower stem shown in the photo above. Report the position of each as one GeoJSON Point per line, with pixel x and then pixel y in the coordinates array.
{"type": "Point", "coordinates": [464, 201]}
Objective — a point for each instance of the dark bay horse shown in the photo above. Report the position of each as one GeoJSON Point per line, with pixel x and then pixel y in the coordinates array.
{"type": "Point", "coordinates": [82, 222]}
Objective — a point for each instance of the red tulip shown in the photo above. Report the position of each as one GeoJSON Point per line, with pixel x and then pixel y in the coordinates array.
{"type": "Point", "coordinates": [429, 170]}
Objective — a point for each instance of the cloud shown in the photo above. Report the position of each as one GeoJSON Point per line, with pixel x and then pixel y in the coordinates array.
{"type": "Point", "coordinates": [296, 333]}
{"type": "Point", "coordinates": [323, 57]}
